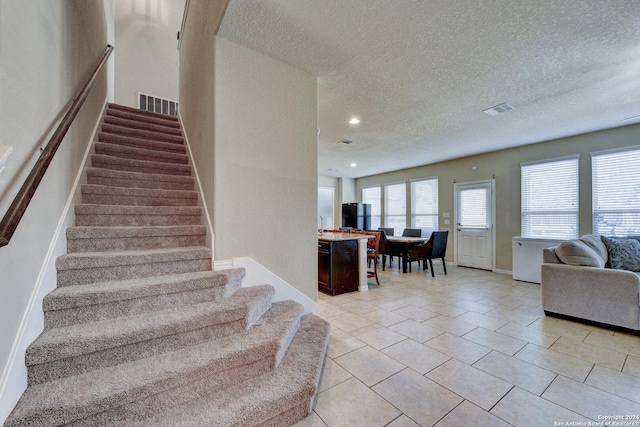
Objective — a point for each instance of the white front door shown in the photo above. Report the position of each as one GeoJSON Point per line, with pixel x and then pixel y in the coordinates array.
{"type": "Point", "coordinates": [474, 224]}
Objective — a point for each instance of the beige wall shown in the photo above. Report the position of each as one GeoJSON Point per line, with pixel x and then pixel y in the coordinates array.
{"type": "Point", "coordinates": [265, 171]}
{"type": "Point", "coordinates": [197, 77]}
{"type": "Point", "coordinates": [47, 50]}
{"type": "Point", "coordinates": [257, 166]}
{"type": "Point", "coordinates": [505, 165]}
{"type": "Point", "coordinates": [146, 49]}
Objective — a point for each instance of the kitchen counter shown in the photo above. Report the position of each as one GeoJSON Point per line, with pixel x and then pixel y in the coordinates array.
{"type": "Point", "coordinates": [358, 266]}
{"type": "Point", "coordinates": [339, 237]}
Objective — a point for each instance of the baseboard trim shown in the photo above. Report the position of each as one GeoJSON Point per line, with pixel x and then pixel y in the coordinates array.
{"type": "Point", "coordinates": [257, 274]}
{"type": "Point", "coordinates": [14, 377]}
{"type": "Point", "coordinates": [222, 265]}
{"type": "Point", "coordinates": [201, 199]}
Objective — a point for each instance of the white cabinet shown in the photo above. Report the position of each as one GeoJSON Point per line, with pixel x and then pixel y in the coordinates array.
{"type": "Point", "coordinates": [527, 257]}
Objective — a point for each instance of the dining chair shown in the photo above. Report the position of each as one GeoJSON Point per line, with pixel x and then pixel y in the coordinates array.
{"type": "Point", "coordinates": [373, 246]}
{"type": "Point", "coordinates": [434, 248]}
{"type": "Point", "coordinates": [412, 232]}
{"type": "Point", "coordinates": [387, 249]}
{"type": "Point", "coordinates": [388, 231]}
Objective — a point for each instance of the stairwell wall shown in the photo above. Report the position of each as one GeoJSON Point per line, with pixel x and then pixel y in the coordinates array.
{"type": "Point", "coordinates": [47, 51]}
{"type": "Point", "coordinates": [196, 88]}
{"type": "Point", "coordinates": [252, 124]}
{"type": "Point", "coordinates": [265, 170]}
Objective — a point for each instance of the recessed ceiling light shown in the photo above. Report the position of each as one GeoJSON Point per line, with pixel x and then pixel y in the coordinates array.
{"type": "Point", "coordinates": [353, 165]}
{"type": "Point", "coordinates": [354, 121]}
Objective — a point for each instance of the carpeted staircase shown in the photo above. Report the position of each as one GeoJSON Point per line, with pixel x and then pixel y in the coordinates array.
{"type": "Point", "coordinates": [140, 331]}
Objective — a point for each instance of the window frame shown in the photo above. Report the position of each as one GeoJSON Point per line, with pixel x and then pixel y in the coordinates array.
{"type": "Point", "coordinates": [387, 216]}
{"type": "Point", "coordinates": [434, 215]}
{"type": "Point", "coordinates": [379, 216]}
{"type": "Point", "coordinates": [551, 215]}
{"type": "Point", "coordinates": [622, 181]}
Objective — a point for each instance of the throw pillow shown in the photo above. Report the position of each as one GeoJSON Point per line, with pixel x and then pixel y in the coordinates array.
{"type": "Point", "coordinates": [576, 252]}
{"type": "Point", "coordinates": [624, 254]}
{"type": "Point", "coordinates": [595, 243]}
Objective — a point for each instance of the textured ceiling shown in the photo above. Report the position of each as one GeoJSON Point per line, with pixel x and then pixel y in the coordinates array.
{"type": "Point", "coordinates": [419, 73]}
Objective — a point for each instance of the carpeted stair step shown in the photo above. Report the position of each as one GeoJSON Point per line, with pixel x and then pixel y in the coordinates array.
{"type": "Point", "coordinates": [113, 215]}
{"type": "Point", "coordinates": [106, 239]}
{"type": "Point", "coordinates": [114, 138]}
{"type": "Point", "coordinates": [278, 398]}
{"type": "Point", "coordinates": [118, 107]}
{"type": "Point", "coordinates": [142, 125]}
{"type": "Point", "coordinates": [144, 166]}
{"type": "Point", "coordinates": [72, 305]}
{"type": "Point", "coordinates": [169, 121]}
{"type": "Point", "coordinates": [114, 394]}
{"type": "Point", "coordinates": [115, 178]}
{"type": "Point", "coordinates": [76, 349]}
{"type": "Point", "coordinates": [136, 153]}
{"type": "Point", "coordinates": [105, 195]}
{"type": "Point", "coordinates": [141, 133]}
{"type": "Point", "coordinates": [92, 267]}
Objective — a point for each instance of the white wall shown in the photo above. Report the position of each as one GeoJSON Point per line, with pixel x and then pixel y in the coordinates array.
{"type": "Point", "coordinates": [265, 164]}
{"type": "Point", "coordinates": [347, 190]}
{"type": "Point", "coordinates": [47, 51]}
{"type": "Point", "coordinates": [197, 76]}
{"type": "Point", "coordinates": [146, 49]}
{"type": "Point", "coordinates": [109, 16]}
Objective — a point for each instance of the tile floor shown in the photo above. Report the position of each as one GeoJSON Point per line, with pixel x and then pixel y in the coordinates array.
{"type": "Point", "coordinates": [472, 348]}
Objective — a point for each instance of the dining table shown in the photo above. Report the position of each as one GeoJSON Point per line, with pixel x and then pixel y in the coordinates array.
{"type": "Point", "coordinates": [404, 244]}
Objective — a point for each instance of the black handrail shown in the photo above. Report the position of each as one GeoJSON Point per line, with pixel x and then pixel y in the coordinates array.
{"type": "Point", "coordinates": [13, 216]}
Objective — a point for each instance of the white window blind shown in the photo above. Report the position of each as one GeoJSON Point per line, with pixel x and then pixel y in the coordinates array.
{"type": "Point", "coordinates": [372, 196]}
{"type": "Point", "coordinates": [424, 205]}
{"type": "Point", "coordinates": [395, 206]}
{"type": "Point", "coordinates": [616, 192]}
{"type": "Point", "coordinates": [550, 198]}
{"type": "Point", "coordinates": [473, 208]}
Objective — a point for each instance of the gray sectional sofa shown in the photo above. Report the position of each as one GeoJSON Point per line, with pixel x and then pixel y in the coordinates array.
{"type": "Point", "coordinates": [595, 279]}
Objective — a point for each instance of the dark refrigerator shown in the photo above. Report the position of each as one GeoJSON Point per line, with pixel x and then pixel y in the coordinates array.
{"type": "Point", "coordinates": [356, 215]}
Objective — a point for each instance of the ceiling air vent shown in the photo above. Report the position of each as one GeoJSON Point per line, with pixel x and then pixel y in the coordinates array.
{"type": "Point", "coordinates": [494, 111]}
{"type": "Point", "coordinates": [345, 141]}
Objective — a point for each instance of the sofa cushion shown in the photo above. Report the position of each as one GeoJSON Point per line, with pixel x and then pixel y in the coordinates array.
{"type": "Point", "coordinates": [624, 254]}
{"type": "Point", "coordinates": [596, 243]}
{"type": "Point", "coordinates": [577, 252]}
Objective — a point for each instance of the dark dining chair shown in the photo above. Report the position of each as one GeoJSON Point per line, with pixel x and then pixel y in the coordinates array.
{"type": "Point", "coordinates": [387, 249]}
{"type": "Point", "coordinates": [388, 231]}
{"type": "Point", "coordinates": [434, 248]}
{"type": "Point", "coordinates": [412, 232]}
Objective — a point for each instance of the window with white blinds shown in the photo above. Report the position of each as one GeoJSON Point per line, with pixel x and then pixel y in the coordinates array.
{"type": "Point", "coordinates": [424, 205]}
{"type": "Point", "coordinates": [550, 198]}
{"type": "Point", "coordinates": [616, 192]}
{"type": "Point", "coordinates": [395, 206]}
{"type": "Point", "coordinates": [372, 196]}
{"type": "Point", "coordinates": [473, 207]}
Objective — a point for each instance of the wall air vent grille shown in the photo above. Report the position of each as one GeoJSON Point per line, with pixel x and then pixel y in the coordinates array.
{"type": "Point", "coordinates": [157, 105]}
{"type": "Point", "coordinates": [498, 109]}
